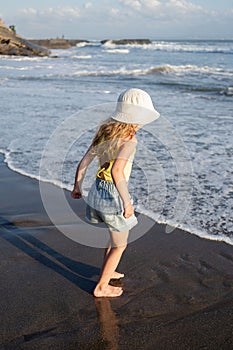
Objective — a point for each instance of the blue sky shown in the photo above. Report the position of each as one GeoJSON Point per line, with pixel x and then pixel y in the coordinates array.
{"type": "Point", "coordinates": [101, 19]}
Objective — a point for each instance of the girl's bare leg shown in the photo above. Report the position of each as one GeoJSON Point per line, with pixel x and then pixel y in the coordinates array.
{"type": "Point", "coordinates": [112, 259]}
{"type": "Point", "coordinates": [107, 250]}
{"type": "Point", "coordinates": [115, 275]}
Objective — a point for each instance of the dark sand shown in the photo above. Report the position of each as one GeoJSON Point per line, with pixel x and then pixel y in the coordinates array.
{"type": "Point", "coordinates": [178, 289]}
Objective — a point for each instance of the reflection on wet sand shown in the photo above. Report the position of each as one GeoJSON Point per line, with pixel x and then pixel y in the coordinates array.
{"type": "Point", "coordinates": [109, 330]}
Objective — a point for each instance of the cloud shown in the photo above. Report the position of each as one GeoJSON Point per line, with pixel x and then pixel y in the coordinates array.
{"type": "Point", "coordinates": [28, 11]}
{"type": "Point", "coordinates": [151, 4]}
{"type": "Point", "coordinates": [58, 12]}
{"type": "Point", "coordinates": [87, 5]}
{"type": "Point", "coordinates": [163, 8]}
{"type": "Point", "coordinates": [183, 7]}
{"type": "Point", "coordinates": [134, 4]}
{"type": "Point", "coordinates": [132, 18]}
{"type": "Point", "coordinates": [114, 12]}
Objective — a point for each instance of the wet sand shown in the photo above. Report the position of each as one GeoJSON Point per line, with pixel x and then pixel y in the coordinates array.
{"type": "Point", "coordinates": [178, 288]}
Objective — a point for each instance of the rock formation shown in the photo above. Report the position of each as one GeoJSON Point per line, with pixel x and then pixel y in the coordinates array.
{"type": "Point", "coordinates": [13, 44]}
{"type": "Point", "coordinates": [59, 43]}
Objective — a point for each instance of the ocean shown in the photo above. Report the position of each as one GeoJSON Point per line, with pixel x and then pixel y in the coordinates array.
{"type": "Point", "coordinates": [183, 169]}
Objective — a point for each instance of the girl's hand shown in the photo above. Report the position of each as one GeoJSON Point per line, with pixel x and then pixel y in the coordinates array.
{"type": "Point", "coordinates": [76, 193]}
{"type": "Point", "coordinates": [128, 211]}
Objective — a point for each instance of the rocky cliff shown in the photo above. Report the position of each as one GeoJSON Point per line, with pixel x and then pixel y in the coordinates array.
{"type": "Point", "coordinates": [13, 44]}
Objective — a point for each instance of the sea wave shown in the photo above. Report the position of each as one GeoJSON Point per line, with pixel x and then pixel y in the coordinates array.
{"type": "Point", "coordinates": [172, 224]}
{"type": "Point", "coordinates": [82, 44]}
{"type": "Point", "coordinates": [183, 69]}
{"type": "Point", "coordinates": [25, 68]}
{"type": "Point", "coordinates": [163, 69]}
{"type": "Point", "coordinates": [82, 56]}
{"type": "Point", "coordinates": [116, 51]}
{"type": "Point", "coordinates": [228, 91]}
{"type": "Point", "coordinates": [23, 58]}
{"type": "Point", "coordinates": [188, 77]}
{"type": "Point", "coordinates": [90, 43]}
{"type": "Point", "coordinates": [196, 47]}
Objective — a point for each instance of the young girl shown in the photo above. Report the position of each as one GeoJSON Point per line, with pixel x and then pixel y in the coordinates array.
{"type": "Point", "coordinates": [109, 200]}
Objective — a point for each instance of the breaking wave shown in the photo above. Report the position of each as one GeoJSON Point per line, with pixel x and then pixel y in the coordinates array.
{"type": "Point", "coordinates": [163, 69]}
{"type": "Point", "coordinates": [117, 50]}
{"type": "Point", "coordinates": [176, 46]}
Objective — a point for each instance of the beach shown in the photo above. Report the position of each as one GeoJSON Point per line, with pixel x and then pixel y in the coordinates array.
{"type": "Point", "coordinates": [178, 287]}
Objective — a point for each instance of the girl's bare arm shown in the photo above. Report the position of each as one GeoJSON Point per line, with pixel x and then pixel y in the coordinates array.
{"type": "Point", "coordinates": [80, 172]}
{"type": "Point", "coordinates": [119, 177]}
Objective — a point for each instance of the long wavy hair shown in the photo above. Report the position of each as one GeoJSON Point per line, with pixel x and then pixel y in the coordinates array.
{"type": "Point", "coordinates": [109, 137]}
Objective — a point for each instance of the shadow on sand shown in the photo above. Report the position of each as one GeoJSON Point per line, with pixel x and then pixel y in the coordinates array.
{"type": "Point", "coordinates": [75, 271]}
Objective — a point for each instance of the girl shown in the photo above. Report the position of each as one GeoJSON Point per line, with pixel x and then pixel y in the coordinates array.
{"type": "Point", "coordinates": [109, 200]}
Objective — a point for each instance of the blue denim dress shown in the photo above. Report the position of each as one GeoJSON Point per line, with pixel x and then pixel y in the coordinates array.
{"type": "Point", "coordinates": [104, 204]}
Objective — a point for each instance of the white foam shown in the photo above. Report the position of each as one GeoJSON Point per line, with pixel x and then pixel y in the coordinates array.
{"type": "Point", "coordinates": [195, 47]}
{"type": "Point", "coordinates": [109, 44]}
{"type": "Point", "coordinates": [183, 69]}
{"type": "Point", "coordinates": [177, 46]}
{"type": "Point", "coordinates": [125, 51]}
{"type": "Point", "coordinates": [122, 71]}
{"type": "Point", "coordinates": [23, 58]}
{"type": "Point", "coordinates": [11, 166]}
{"type": "Point", "coordinates": [17, 68]}
{"type": "Point", "coordinates": [228, 91]}
{"type": "Point", "coordinates": [82, 56]}
{"type": "Point", "coordinates": [172, 224]}
{"type": "Point", "coordinates": [163, 69]}
{"type": "Point", "coordinates": [82, 44]}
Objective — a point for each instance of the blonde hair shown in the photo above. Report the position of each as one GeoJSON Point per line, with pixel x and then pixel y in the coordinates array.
{"type": "Point", "coordinates": [109, 138]}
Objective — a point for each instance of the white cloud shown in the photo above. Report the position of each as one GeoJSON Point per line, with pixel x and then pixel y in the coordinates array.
{"type": "Point", "coordinates": [59, 12]}
{"type": "Point", "coordinates": [28, 11]}
{"type": "Point", "coordinates": [87, 5]}
{"type": "Point", "coordinates": [162, 8]}
{"type": "Point", "coordinates": [114, 12]}
{"type": "Point", "coordinates": [183, 6]}
{"type": "Point", "coordinates": [151, 4]}
{"type": "Point", "coordinates": [134, 4]}
{"type": "Point", "coordinates": [125, 18]}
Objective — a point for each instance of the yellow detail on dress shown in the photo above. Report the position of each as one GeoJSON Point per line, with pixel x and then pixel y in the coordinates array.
{"type": "Point", "coordinates": [105, 172]}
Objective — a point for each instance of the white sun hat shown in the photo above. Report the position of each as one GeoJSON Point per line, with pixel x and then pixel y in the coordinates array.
{"type": "Point", "coordinates": [134, 106]}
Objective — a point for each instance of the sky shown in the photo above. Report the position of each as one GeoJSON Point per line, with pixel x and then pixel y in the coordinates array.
{"type": "Point", "coordinates": [116, 19]}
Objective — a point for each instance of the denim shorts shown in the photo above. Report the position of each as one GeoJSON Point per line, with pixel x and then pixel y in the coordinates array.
{"type": "Point", "coordinates": [104, 204]}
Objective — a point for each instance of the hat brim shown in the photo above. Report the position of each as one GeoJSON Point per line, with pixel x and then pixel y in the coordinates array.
{"type": "Point", "coordinates": [131, 114]}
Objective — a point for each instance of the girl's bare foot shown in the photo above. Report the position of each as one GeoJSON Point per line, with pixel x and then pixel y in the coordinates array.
{"type": "Point", "coordinates": [108, 291]}
{"type": "Point", "coordinates": [117, 275]}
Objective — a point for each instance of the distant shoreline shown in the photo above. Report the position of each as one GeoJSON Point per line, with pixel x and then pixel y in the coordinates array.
{"type": "Point", "coordinates": [58, 43]}
{"type": "Point", "coordinates": [62, 43]}
{"type": "Point", "coordinates": [13, 44]}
